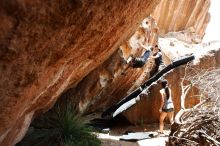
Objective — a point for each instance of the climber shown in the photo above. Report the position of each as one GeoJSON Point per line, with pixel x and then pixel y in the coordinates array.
{"type": "Point", "coordinates": [157, 56]}
{"type": "Point", "coordinates": [166, 107]}
{"type": "Point", "coordinates": [138, 62]}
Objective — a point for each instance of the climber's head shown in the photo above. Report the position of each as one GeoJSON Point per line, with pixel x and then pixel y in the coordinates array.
{"type": "Point", "coordinates": [164, 83]}
{"type": "Point", "coordinates": [156, 48]}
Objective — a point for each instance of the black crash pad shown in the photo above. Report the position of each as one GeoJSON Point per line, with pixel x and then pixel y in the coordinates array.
{"type": "Point", "coordinates": [183, 60]}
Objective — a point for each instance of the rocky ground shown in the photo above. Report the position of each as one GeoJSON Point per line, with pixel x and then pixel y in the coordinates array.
{"type": "Point", "coordinates": [110, 142]}
{"type": "Point", "coordinates": [112, 138]}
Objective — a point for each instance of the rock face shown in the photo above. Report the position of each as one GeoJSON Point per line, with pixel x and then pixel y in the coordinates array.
{"type": "Point", "coordinates": [172, 15]}
{"type": "Point", "coordinates": [47, 47]}
{"type": "Point", "coordinates": [51, 47]}
{"type": "Point", "coordinates": [117, 83]}
{"type": "Point", "coordinates": [113, 80]}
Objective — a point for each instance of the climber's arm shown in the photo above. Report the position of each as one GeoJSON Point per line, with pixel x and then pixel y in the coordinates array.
{"type": "Point", "coordinates": [143, 46]}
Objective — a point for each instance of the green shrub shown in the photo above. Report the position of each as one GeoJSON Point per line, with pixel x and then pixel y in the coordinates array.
{"type": "Point", "coordinates": [61, 127]}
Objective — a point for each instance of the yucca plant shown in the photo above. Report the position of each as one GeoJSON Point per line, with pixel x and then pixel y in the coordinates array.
{"type": "Point", "coordinates": [60, 127]}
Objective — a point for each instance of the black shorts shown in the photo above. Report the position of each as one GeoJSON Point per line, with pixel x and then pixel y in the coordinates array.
{"type": "Point", "coordinates": [138, 63]}
{"type": "Point", "coordinates": [167, 110]}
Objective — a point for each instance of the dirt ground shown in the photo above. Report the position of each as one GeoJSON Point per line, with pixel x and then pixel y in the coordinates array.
{"type": "Point", "coordinates": [110, 142]}
{"type": "Point", "coordinates": [119, 131]}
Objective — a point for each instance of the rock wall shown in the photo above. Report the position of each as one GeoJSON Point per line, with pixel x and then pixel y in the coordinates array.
{"type": "Point", "coordinates": [191, 15]}
{"type": "Point", "coordinates": [190, 19]}
{"type": "Point", "coordinates": [114, 79]}
{"type": "Point", "coordinates": [49, 46]}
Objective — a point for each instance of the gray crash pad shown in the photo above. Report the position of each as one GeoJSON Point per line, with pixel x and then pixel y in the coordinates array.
{"type": "Point", "coordinates": [136, 136]}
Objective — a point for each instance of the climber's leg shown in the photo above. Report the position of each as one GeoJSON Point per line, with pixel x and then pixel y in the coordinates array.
{"type": "Point", "coordinates": [170, 115]}
{"type": "Point", "coordinates": [146, 55]}
{"type": "Point", "coordinates": [162, 117]}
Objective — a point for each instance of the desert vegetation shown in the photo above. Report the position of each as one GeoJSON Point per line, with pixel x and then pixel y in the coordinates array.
{"type": "Point", "coordinates": [199, 125]}
{"type": "Point", "coordinates": [61, 126]}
